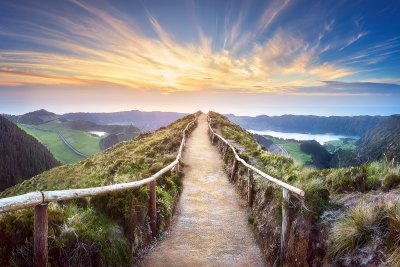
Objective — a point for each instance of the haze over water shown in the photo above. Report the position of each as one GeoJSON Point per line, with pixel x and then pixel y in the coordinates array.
{"type": "Point", "coordinates": [320, 138]}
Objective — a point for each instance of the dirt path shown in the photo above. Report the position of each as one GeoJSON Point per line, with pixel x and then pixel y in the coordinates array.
{"type": "Point", "coordinates": [210, 227]}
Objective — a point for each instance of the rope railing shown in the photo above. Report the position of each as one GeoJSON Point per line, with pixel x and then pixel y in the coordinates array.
{"type": "Point", "coordinates": [286, 188]}
{"type": "Point", "coordinates": [40, 200]}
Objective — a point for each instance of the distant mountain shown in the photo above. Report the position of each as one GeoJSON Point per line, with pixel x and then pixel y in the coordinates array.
{"type": "Point", "coordinates": [21, 155]}
{"type": "Point", "coordinates": [382, 142]}
{"type": "Point", "coordinates": [35, 118]}
{"type": "Point", "coordinates": [141, 119]}
{"type": "Point", "coordinates": [91, 126]}
{"type": "Point", "coordinates": [355, 125]}
{"type": "Point", "coordinates": [116, 133]}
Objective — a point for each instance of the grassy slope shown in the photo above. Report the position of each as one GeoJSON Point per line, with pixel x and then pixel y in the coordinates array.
{"type": "Point", "coordinates": [54, 144]}
{"type": "Point", "coordinates": [335, 145]}
{"type": "Point", "coordinates": [104, 231]}
{"type": "Point", "coordinates": [293, 148]}
{"type": "Point", "coordinates": [324, 190]}
{"type": "Point", "coordinates": [80, 140]}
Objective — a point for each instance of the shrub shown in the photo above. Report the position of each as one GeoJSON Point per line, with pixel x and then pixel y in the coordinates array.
{"type": "Point", "coordinates": [393, 211]}
{"type": "Point", "coordinates": [356, 228]}
{"type": "Point", "coordinates": [391, 180]}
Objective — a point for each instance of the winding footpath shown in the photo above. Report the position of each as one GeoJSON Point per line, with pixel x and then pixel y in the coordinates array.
{"type": "Point", "coordinates": [211, 224]}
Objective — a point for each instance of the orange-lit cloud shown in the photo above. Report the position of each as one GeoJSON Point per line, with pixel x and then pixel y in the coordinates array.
{"type": "Point", "coordinates": [107, 48]}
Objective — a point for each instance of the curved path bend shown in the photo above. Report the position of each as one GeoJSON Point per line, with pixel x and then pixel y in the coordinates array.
{"type": "Point", "coordinates": [211, 225]}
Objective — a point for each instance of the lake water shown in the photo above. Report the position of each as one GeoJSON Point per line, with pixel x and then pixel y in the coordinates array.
{"type": "Point", "coordinates": [98, 133]}
{"type": "Point", "coordinates": [320, 138]}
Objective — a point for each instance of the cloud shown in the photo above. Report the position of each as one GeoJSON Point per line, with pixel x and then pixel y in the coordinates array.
{"type": "Point", "coordinates": [354, 39]}
{"type": "Point", "coordinates": [104, 47]}
{"type": "Point", "coordinates": [335, 88]}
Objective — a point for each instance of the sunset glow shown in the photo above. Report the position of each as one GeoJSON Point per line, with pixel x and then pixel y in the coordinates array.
{"type": "Point", "coordinates": [227, 48]}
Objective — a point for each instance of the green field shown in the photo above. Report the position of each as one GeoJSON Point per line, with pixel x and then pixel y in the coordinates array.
{"type": "Point", "coordinates": [47, 135]}
{"type": "Point", "coordinates": [293, 148]}
{"type": "Point", "coordinates": [345, 144]}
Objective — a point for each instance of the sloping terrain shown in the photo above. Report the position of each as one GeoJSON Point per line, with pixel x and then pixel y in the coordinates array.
{"type": "Point", "coordinates": [211, 227]}
{"type": "Point", "coordinates": [35, 117]}
{"type": "Point", "coordinates": [66, 144]}
{"type": "Point", "coordinates": [103, 231]}
{"type": "Point", "coordinates": [382, 142]}
{"type": "Point", "coordinates": [348, 217]}
{"type": "Point", "coordinates": [142, 119]}
{"type": "Point", "coordinates": [347, 125]}
{"type": "Point", "coordinates": [21, 156]}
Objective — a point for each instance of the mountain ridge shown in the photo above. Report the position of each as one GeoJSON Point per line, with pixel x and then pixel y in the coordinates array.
{"type": "Point", "coordinates": [348, 125]}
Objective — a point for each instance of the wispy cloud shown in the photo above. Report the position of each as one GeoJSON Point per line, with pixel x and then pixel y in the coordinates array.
{"type": "Point", "coordinates": [104, 47]}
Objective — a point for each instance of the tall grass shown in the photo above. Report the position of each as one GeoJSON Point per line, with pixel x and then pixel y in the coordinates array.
{"type": "Point", "coordinates": [393, 211]}
{"type": "Point", "coordinates": [356, 228]}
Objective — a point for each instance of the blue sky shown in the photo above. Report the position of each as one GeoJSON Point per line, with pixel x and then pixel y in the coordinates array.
{"type": "Point", "coordinates": [242, 57]}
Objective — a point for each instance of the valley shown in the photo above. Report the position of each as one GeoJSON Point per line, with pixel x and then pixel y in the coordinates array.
{"type": "Point", "coordinates": [66, 144]}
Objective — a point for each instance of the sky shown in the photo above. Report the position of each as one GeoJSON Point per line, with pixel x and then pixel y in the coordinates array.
{"type": "Point", "coordinates": [241, 57]}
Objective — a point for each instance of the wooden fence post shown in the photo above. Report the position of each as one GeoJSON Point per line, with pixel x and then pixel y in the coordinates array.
{"type": "Point", "coordinates": [40, 233]}
{"type": "Point", "coordinates": [250, 184]}
{"type": "Point", "coordinates": [225, 151]}
{"type": "Point", "coordinates": [234, 168]}
{"type": "Point", "coordinates": [153, 207]}
{"type": "Point", "coordinates": [285, 223]}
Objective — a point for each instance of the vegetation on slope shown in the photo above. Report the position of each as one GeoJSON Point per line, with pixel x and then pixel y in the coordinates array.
{"type": "Point", "coordinates": [382, 142]}
{"type": "Point", "coordinates": [115, 133]}
{"type": "Point", "coordinates": [142, 119]}
{"type": "Point", "coordinates": [21, 155]}
{"type": "Point", "coordinates": [343, 144]}
{"type": "Point", "coordinates": [347, 125]}
{"type": "Point", "coordinates": [329, 194]}
{"type": "Point", "coordinates": [48, 134]}
{"type": "Point", "coordinates": [102, 231]}
{"type": "Point", "coordinates": [34, 118]}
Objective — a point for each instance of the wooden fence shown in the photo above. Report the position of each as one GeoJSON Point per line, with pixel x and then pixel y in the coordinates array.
{"type": "Point", "coordinates": [40, 200]}
{"type": "Point", "coordinates": [286, 188]}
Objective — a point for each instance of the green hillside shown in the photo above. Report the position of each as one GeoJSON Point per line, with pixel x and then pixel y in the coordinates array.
{"type": "Point", "coordinates": [382, 142]}
{"type": "Point", "coordinates": [104, 231]}
{"type": "Point", "coordinates": [293, 148]}
{"type": "Point", "coordinates": [48, 134]}
{"type": "Point", "coordinates": [21, 156]}
{"type": "Point", "coordinates": [358, 203]}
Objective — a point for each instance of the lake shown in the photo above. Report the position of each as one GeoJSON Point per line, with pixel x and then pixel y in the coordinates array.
{"type": "Point", "coordinates": [320, 138]}
{"type": "Point", "coordinates": [98, 133]}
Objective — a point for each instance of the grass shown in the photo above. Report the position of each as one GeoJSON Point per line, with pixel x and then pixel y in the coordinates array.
{"type": "Point", "coordinates": [54, 144]}
{"type": "Point", "coordinates": [345, 144]}
{"type": "Point", "coordinates": [107, 230]}
{"type": "Point", "coordinates": [293, 149]}
{"type": "Point", "coordinates": [80, 140]}
{"type": "Point", "coordinates": [393, 210]}
{"type": "Point", "coordinates": [357, 228]}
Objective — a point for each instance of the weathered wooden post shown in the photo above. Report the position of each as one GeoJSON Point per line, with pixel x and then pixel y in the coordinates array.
{"type": "Point", "coordinates": [285, 223]}
{"type": "Point", "coordinates": [250, 183]}
{"type": "Point", "coordinates": [234, 168]}
{"type": "Point", "coordinates": [153, 207]}
{"type": "Point", "coordinates": [225, 151]}
{"type": "Point", "coordinates": [40, 247]}
{"type": "Point", "coordinates": [212, 139]}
